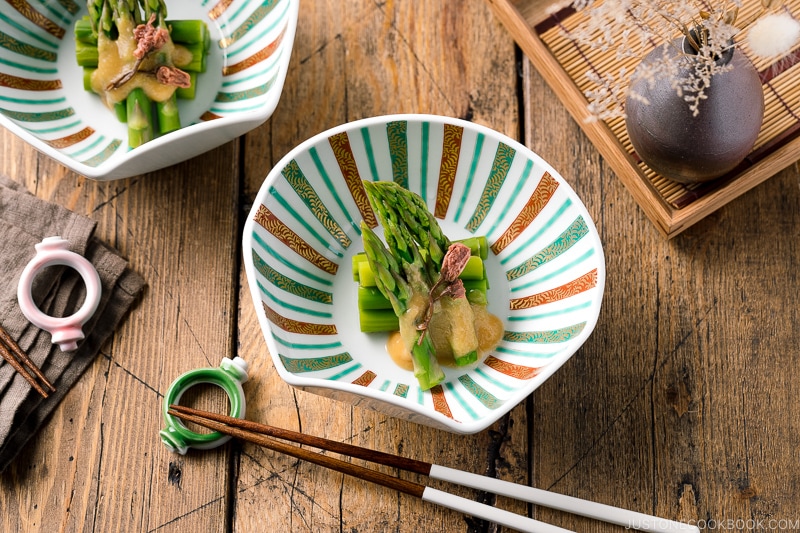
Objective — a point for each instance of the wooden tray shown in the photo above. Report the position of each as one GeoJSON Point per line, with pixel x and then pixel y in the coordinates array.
{"type": "Point", "coordinates": [671, 206]}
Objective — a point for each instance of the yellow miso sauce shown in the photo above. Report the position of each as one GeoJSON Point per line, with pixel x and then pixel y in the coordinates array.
{"type": "Point", "coordinates": [488, 328]}
{"type": "Point", "coordinates": [399, 348]}
{"type": "Point", "coordinates": [116, 57]}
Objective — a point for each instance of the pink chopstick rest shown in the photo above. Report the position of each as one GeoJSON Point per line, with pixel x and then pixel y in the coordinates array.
{"type": "Point", "coordinates": [65, 331]}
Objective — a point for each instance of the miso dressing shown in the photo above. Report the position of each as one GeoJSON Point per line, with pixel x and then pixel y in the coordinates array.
{"type": "Point", "coordinates": [488, 327]}
{"type": "Point", "coordinates": [398, 345]}
{"type": "Point", "coordinates": [398, 352]}
{"type": "Point", "coordinates": [116, 57]}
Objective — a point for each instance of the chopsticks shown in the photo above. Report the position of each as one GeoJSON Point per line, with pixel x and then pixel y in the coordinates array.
{"type": "Point", "coordinates": [259, 434]}
{"type": "Point", "coordinates": [265, 436]}
{"type": "Point", "coordinates": [18, 359]}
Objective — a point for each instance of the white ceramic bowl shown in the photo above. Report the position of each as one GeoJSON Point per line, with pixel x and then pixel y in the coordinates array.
{"type": "Point", "coordinates": [546, 268]}
{"type": "Point", "coordinates": [42, 99]}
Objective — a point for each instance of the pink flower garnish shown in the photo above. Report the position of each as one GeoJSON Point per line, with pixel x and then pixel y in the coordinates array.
{"type": "Point", "coordinates": [149, 38]}
{"type": "Point", "coordinates": [173, 76]}
{"type": "Point", "coordinates": [453, 264]}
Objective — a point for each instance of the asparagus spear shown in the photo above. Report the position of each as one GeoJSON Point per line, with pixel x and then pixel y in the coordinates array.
{"type": "Point", "coordinates": [474, 270]}
{"type": "Point", "coordinates": [168, 117]}
{"type": "Point", "coordinates": [84, 32]}
{"type": "Point", "coordinates": [110, 17]}
{"type": "Point", "coordinates": [140, 118]}
{"type": "Point", "coordinates": [106, 14]}
{"type": "Point", "coordinates": [371, 300]}
{"type": "Point", "coordinates": [409, 226]}
{"type": "Point", "coordinates": [86, 54]}
{"type": "Point", "coordinates": [395, 285]}
{"type": "Point", "coordinates": [87, 78]}
{"type": "Point", "coordinates": [121, 110]}
{"type": "Point", "coordinates": [188, 31]}
{"type": "Point", "coordinates": [188, 93]}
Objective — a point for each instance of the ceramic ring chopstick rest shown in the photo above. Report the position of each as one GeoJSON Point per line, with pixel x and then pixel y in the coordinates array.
{"type": "Point", "coordinates": [65, 331]}
{"type": "Point", "coordinates": [229, 377]}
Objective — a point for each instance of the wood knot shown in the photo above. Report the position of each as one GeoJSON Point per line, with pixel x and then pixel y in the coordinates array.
{"type": "Point", "coordinates": [747, 493]}
{"type": "Point", "coordinates": [679, 398]}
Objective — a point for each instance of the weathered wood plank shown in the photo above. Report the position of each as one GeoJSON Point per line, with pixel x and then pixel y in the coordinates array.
{"type": "Point", "coordinates": [422, 57]}
{"type": "Point", "coordinates": [178, 227]}
{"type": "Point", "coordinates": [658, 411]}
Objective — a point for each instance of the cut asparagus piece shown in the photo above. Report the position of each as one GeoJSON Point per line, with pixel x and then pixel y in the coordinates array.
{"type": "Point", "coordinates": [370, 298]}
{"type": "Point", "coordinates": [140, 118]}
{"type": "Point", "coordinates": [87, 78]}
{"type": "Point", "coordinates": [188, 93]}
{"type": "Point", "coordinates": [188, 31]}
{"type": "Point", "coordinates": [168, 118]}
{"type": "Point", "coordinates": [86, 55]}
{"type": "Point", "coordinates": [121, 110]}
{"type": "Point", "coordinates": [378, 320]}
{"type": "Point", "coordinates": [198, 60]}
{"type": "Point", "coordinates": [84, 33]}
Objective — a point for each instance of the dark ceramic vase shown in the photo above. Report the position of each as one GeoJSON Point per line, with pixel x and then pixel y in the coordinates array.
{"type": "Point", "coordinates": [691, 149]}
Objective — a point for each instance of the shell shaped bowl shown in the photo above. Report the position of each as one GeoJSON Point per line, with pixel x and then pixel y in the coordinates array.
{"type": "Point", "coordinates": [42, 99]}
{"type": "Point", "coordinates": [545, 267]}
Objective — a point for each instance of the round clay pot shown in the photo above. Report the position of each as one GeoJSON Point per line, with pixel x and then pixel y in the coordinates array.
{"type": "Point", "coordinates": [691, 149]}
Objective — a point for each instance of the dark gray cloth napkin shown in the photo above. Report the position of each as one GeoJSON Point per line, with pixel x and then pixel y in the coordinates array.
{"type": "Point", "coordinates": [59, 291]}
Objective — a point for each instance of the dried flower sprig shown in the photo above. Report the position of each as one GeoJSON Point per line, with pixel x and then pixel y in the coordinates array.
{"type": "Point", "coordinates": [629, 27]}
{"type": "Point", "coordinates": [453, 264]}
{"type": "Point", "coordinates": [149, 40]}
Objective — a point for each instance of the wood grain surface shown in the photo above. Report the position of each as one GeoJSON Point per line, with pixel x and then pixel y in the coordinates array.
{"type": "Point", "coordinates": [682, 404]}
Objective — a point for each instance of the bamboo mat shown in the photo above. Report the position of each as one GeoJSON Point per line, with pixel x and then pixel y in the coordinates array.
{"type": "Point", "coordinates": [780, 79]}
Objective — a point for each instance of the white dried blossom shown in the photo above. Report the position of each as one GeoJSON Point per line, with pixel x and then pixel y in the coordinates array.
{"type": "Point", "coordinates": [604, 98]}
{"type": "Point", "coordinates": [774, 35]}
{"type": "Point", "coordinates": [632, 27]}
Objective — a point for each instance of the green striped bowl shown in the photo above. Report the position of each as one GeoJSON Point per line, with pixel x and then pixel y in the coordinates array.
{"type": "Point", "coordinates": [41, 86]}
{"type": "Point", "coordinates": [545, 267]}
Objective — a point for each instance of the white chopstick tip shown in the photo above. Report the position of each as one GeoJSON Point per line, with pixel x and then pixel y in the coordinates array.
{"type": "Point", "coordinates": [487, 512]}
{"type": "Point", "coordinates": [570, 504]}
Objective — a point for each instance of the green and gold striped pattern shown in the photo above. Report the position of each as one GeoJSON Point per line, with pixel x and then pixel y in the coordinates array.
{"type": "Point", "coordinates": [41, 91]}
{"type": "Point", "coordinates": [33, 92]}
{"type": "Point", "coordinates": [254, 44]}
{"type": "Point", "coordinates": [545, 268]}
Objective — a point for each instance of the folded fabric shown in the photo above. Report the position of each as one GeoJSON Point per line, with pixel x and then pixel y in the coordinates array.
{"type": "Point", "coordinates": [59, 291]}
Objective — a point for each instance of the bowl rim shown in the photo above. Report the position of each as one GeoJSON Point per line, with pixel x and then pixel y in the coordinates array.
{"type": "Point", "coordinates": [115, 168]}
{"type": "Point", "coordinates": [437, 419]}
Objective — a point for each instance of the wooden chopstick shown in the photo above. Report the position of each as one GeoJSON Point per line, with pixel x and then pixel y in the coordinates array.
{"type": "Point", "coordinates": [374, 456]}
{"type": "Point", "coordinates": [261, 433]}
{"type": "Point", "coordinates": [19, 360]}
{"type": "Point", "coordinates": [256, 434]}
{"type": "Point", "coordinates": [204, 419]}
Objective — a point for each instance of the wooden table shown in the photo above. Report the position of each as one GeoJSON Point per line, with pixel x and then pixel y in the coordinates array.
{"type": "Point", "coordinates": [682, 404]}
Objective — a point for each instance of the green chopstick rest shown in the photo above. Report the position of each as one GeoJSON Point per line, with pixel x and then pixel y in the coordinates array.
{"type": "Point", "coordinates": [229, 376]}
